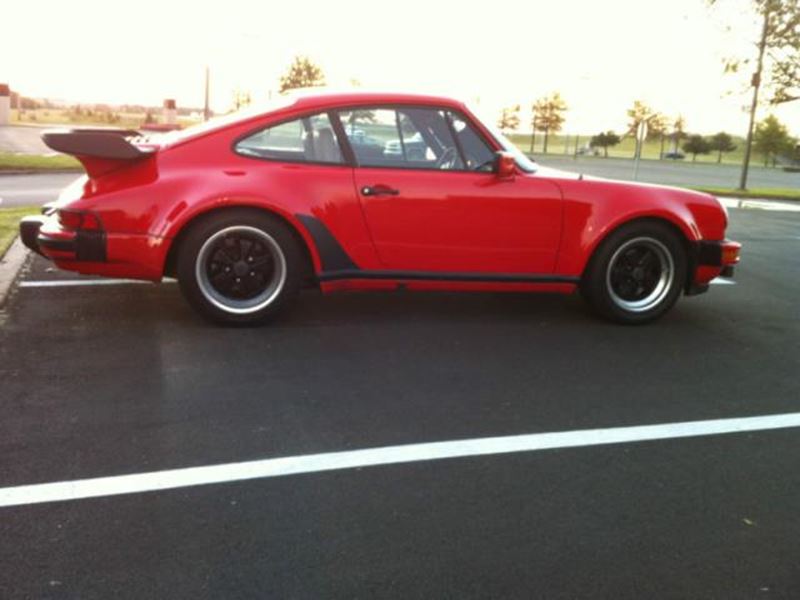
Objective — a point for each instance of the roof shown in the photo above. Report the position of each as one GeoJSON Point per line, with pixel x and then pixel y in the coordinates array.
{"type": "Point", "coordinates": [310, 97]}
{"type": "Point", "coordinates": [301, 100]}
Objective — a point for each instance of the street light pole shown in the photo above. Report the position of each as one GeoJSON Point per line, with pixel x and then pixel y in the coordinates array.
{"type": "Point", "coordinates": [756, 81]}
{"type": "Point", "coordinates": [641, 130]}
{"type": "Point", "coordinates": [206, 108]}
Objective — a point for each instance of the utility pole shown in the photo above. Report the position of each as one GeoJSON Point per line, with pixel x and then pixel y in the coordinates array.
{"type": "Point", "coordinates": [641, 133]}
{"type": "Point", "coordinates": [206, 109]}
{"type": "Point", "coordinates": [756, 82]}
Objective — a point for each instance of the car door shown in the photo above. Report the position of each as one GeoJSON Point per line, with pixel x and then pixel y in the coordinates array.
{"type": "Point", "coordinates": [432, 203]}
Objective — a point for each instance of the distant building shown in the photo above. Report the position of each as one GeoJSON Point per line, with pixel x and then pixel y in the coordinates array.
{"type": "Point", "coordinates": [5, 104]}
{"type": "Point", "coordinates": [170, 112]}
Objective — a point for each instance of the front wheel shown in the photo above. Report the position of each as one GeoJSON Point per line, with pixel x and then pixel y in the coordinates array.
{"type": "Point", "coordinates": [239, 266]}
{"type": "Point", "coordinates": [637, 274]}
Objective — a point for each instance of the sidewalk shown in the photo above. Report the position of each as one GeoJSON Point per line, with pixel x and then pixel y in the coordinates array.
{"type": "Point", "coordinates": [22, 140]}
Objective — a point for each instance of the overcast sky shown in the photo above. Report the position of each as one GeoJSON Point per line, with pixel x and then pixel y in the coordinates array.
{"type": "Point", "coordinates": [601, 55]}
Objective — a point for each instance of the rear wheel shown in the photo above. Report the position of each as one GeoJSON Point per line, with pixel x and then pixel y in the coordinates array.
{"type": "Point", "coordinates": [240, 266]}
{"type": "Point", "coordinates": [637, 274]}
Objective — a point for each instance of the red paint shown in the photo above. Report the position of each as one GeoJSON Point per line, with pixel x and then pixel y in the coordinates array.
{"type": "Point", "coordinates": [545, 223]}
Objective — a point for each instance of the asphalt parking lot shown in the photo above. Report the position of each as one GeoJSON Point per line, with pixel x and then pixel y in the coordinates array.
{"type": "Point", "coordinates": [118, 379]}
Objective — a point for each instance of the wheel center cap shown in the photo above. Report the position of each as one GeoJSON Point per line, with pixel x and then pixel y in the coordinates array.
{"type": "Point", "coordinates": [241, 268]}
{"type": "Point", "coordinates": [638, 273]}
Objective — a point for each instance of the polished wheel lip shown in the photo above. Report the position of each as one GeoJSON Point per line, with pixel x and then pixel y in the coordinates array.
{"type": "Point", "coordinates": [662, 287]}
{"type": "Point", "coordinates": [233, 305]}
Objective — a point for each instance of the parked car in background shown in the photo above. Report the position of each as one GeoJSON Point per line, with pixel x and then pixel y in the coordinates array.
{"type": "Point", "coordinates": [248, 209]}
{"type": "Point", "coordinates": [414, 148]}
{"type": "Point", "coordinates": [588, 151]}
{"type": "Point", "coordinates": [674, 155]}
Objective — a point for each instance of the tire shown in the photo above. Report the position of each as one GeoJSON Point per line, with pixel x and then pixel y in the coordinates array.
{"type": "Point", "coordinates": [637, 273]}
{"type": "Point", "coordinates": [240, 266]}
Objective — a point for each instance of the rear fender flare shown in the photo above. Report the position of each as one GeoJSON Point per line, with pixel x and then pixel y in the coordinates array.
{"type": "Point", "coordinates": [175, 229]}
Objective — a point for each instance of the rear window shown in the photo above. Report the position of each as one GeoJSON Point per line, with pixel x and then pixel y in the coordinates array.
{"type": "Point", "coordinates": [174, 137]}
{"type": "Point", "coordinates": [307, 139]}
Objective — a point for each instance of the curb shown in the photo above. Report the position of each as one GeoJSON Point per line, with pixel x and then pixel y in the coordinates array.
{"type": "Point", "coordinates": [38, 171]}
{"type": "Point", "coordinates": [759, 198]}
{"type": "Point", "coordinates": [10, 265]}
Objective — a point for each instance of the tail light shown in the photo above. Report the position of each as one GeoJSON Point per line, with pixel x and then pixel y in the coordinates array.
{"type": "Point", "coordinates": [74, 220]}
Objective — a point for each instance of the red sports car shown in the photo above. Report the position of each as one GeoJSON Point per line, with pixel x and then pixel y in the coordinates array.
{"type": "Point", "coordinates": [362, 191]}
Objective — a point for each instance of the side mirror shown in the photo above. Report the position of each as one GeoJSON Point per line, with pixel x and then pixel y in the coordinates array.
{"type": "Point", "coordinates": [505, 166]}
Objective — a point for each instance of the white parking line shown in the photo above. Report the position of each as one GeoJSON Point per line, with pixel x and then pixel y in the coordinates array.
{"type": "Point", "coordinates": [80, 282]}
{"type": "Point", "coordinates": [722, 281]}
{"type": "Point", "coordinates": [760, 204]}
{"type": "Point", "coordinates": [388, 455]}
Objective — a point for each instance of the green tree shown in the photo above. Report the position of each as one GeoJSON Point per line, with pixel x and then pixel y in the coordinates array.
{"type": "Point", "coordinates": [678, 132]}
{"type": "Point", "coordinates": [241, 98]}
{"type": "Point", "coordinates": [772, 139]}
{"type": "Point", "coordinates": [657, 128]}
{"type": "Point", "coordinates": [722, 142]}
{"type": "Point", "coordinates": [509, 118]}
{"type": "Point", "coordinates": [696, 144]}
{"type": "Point", "coordinates": [639, 115]}
{"type": "Point", "coordinates": [302, 73]}
{"type": "Point", "coordinates": [363, 116]}
{"type": "Point", "coordinates": [776, 63]}
{"type": "Point", "coordinates": [779, 66]}
{"type": "Point", "coordinates": [604, 140]}
{"type": "Point", "coordinates": [548, 115]}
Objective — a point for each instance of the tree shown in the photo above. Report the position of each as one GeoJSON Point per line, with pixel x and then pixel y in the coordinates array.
{"type": "Point", "coordinates": [604, 140]}
{"type": "Point", "coordinates": [509, 118]}
{"type": "Point", "coordinates": [302, 73]}
{"type": "Point", "coordinates": [776, 63]}
{"type": "Point", "coordinates": [548, 115]}
{"type": "Point", "coordinates": [657, 129]}
{"type": "Point", "coordinates": [678, 132]}
{"type": "Point", "coordinates": [779, 68]}
{"type": "Point", "coordinates": [722, 142]}
{"type": "Point", "coordinates": [772, 139]}
{"type": "Point", "coordinates": [241, 98]}
{"type": "Point", "coordinates": [696, 144]}
{"type": "Point", "coordinates": [363, 116]}
{"type": "Point", "coordinates": [638, 116]}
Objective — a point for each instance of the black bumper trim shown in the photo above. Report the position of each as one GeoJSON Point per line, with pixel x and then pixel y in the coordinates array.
{"type": "Point", "coordinates": [87, 246]}
{"type": "Point", "coordinates": [55, 244]}
{"type": "Point", "coordinates": [29, 232]}
{"type": "Point", "coordinates": [90, 246]}
{"type": "Point", "coordinates": [709, 253]}
{"type": "Point", "coordinates": [696, 289]}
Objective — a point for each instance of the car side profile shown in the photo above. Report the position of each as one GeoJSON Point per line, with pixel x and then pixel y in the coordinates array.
{"type": "Point", "coordinates": [369, 191]}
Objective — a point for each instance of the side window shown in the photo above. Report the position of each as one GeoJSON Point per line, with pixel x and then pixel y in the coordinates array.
{"type": "Point", "coordinates": [477, 153]}
{"type": "Point", "coordinates": [307, 139]}
{"type": "Point", "coordinates": [410, 138]}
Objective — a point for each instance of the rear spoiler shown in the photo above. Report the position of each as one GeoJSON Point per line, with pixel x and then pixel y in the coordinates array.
{"type": "Point", "coordinates": [99, 150]}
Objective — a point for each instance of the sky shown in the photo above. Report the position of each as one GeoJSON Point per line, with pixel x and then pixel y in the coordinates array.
{"type": "Point", "coordinates": [600, 55]}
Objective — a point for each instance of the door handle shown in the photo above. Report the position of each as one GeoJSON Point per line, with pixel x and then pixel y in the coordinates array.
{"type": "Point", "coordinates": [378, 190]}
